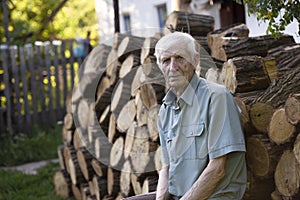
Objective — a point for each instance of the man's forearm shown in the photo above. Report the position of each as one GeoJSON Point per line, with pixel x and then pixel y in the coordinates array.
{"type": "Point", "coordinates": [208, 180]}
{"type": "Point", "coordinates": [162, 186]}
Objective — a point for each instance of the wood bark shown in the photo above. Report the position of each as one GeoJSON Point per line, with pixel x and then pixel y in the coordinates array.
{"type": "Point", "coordinates": [244, 74]}
{"type": "Point", "coordinates": [193, 24]}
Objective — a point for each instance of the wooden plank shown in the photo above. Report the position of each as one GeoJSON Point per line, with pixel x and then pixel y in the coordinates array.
{"type": "Point", "coordinates": [28, 124]}
{"type": "Point", "coordinates": [58, 106]}
{"type": "Point", "coordinates": [64, 70]}
{"type": "Point", "coordinates": [16, 83]}
{"type": "Point", "coordinates": [51, 118]}
{"type": "Point", "coordinates": [72, 60]}
{"type": "Point", "coordinates": [41, 84]}
{"type": "Point", "coordinates": [7, 89]}
{"type": "Point", "coordinates": [33, 82]}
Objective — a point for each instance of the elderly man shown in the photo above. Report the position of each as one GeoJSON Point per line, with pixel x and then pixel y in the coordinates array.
{"type": "Point", "coordinates": [203, 148]}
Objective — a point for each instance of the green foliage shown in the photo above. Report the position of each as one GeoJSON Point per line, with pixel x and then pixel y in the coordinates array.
{"type": "Point", "coordinates": [36, 146]}
{"type": "Point", "coordinates": [270, 10]}
{"type": "Point", "coordinates": [26, 19]}
{"type": "Point", "coordinates": [19, 186]}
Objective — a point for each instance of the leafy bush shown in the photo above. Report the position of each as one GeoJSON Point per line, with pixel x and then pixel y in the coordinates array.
{"type": "Point", "coordinates": [36, 146]}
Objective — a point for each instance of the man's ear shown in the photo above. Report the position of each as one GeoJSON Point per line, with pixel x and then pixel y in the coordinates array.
{"type": "Point", "coordinates": [196, 59]}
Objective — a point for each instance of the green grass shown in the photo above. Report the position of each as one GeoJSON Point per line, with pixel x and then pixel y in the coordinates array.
{"type": "Point", "coordinates": [19, 186]}
{"type": "Point", "coordinates": [35, 146]}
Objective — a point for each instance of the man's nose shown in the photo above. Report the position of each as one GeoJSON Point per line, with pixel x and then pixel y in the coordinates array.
{"type": "Point", "coordinates": [173, 64]}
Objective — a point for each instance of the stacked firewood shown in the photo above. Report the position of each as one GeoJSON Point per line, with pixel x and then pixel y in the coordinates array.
{"type": "Point", "coordinates": [111, 146]}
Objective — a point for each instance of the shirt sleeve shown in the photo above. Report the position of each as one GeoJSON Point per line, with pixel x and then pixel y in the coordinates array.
{"type": "Point", "coordinates": [225, 133]}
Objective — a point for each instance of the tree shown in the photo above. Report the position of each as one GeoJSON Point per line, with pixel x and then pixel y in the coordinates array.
{"type": "Point", "coordinates": [48, 19]}
{"type": "Point", "coordinates": [278, 13]}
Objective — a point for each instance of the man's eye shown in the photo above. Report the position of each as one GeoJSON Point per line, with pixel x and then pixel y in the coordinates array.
{"type": "Point", "coordinates": [165, 61]}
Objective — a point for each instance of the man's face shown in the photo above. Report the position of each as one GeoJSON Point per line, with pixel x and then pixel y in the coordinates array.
{"type": "Point", "coordinates": [177, 70]}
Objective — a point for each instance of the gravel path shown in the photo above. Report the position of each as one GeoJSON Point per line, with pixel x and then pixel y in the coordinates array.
{"type": "Point", "coordinates": [30, 168]}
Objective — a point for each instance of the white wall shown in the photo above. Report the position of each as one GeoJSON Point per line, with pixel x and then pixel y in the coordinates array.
{"type": "Point", "coordinates": [143, 15]}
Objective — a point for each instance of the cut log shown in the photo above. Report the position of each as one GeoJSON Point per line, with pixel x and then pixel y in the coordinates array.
{"type": "Point", "coordinates": [150, 66]}
{"type": "Point", "coordinates": [136, 185]}
{"type": "Point", "coordinates": [140, 150]}
{"type": "Point", "coordinates": [157, 159]}
{"type": "Point", "coordinates": [258, 45]}
{"type": "Point", "coordinates": [278, 92]}
{"type": "Point", "coordinates": [99, 168]}
{"type": "Point", "coordinates": [60, 154]}
{"type": "Point", "coordinates": [69, 122]}
{"type": "Point", "coordinates": [112, 132]}
{"type": "Point", "coordinates": [100, 186]}
{"type": "Point", "coordinates": [148, 48]}
{"type": "Point", "coordinates": [150, 184]}
{"type": "Point", "coordinates": [287, 178]}
{"type": "Point", "coordinates": [130, 136]}
{"type": "Point", "coordinates": [296, 148]}
{"type": "Point", "coordinates": [116, 154]}
{"type": "Point", "coordinates": [122, 93]}
{"type": "Point", "coordinates": [152, 122]}
{"type": "Point", "coordinates": [67, 136]}
{"type": "Point", "coordinates": [286, 56]}
{"type": "Point", "coordinates": [80, 139]}
{"type": "Point", "coordinates": [245, 118]}
{"type": "Point", "coordinates": [84, 160]}
{"type": "Point", "coordinates": [76, 192]}
{"type": "Point", "coordinates": [82, 114]}
{"type": "Point", "coordinates": [244, 74]}
{"type": "Point", "coordinates": [69, 153]}
{"type": "Point", "coordinates": [102, 149]}
{"type": "Point", "coordinates": [260, 115]}
{"type": "Point", "coordinates": [97, 58]}
{"type": "Point", "coordinates": [130, 62]}
{"type": "Point", "coordinates": [148, 95]}
{"type": "Point", "coordinates": [126, 116]}
{"type": "Point", "coordinates": [262, 156]}
{"type": "Point", "coordinates": [62, 184]}
{"type": "Point", "coordinates": [270, 67]}
{"type": "Point", "coordinates": [125, 185]}
{"type": "Point", "coordinates": [113, 182]}
{"type": "Point", "coordinates": [216, 39]}
{"type": "Point", "coordinates": [280, 130]}
{"type": "Point", "coordinates": [191, 23]}
{"type": "Point", "coordinates": [292, 108]}
{"type": "Point", "coordinates": [118, 37]}
{"type": "Point", "coordinates": [130, 45]}
{"type": "Point", "coordinates": [141, 110]}
{"type": "Point", "coordinates": [75, 172]}
{"type": "Point", "coordinates": [257, 188]}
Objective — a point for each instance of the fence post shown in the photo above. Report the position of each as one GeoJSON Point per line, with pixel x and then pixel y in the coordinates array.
{"type": "Point", "coordinates": [7, 89]}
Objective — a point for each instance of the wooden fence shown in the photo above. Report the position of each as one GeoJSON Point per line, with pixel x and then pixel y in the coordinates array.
{"type": "Point", "coordinates": [35, 81]}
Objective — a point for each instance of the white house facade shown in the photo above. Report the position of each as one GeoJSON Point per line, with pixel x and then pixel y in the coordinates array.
{"type": "Point", "coordinates": [146, 17]}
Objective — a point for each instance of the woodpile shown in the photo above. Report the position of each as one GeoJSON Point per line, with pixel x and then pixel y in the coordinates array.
{"type": "Point", "coordinates": [111, 146]}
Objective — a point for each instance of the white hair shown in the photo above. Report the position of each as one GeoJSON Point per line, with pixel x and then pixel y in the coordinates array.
{"type": "Point", "coordinates": [182, 44]}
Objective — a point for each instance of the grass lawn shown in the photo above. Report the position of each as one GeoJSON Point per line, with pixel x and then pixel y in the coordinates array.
{"type": "Point", "coordinates": [36, 146]}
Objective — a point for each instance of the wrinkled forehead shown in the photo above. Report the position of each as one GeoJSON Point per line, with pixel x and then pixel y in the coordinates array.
{"type": "Point", "coordinates": [175, 44]}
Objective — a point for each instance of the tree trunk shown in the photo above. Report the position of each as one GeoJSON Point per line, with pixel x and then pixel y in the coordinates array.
{"type": "Point", "coordinates": [292, 108]}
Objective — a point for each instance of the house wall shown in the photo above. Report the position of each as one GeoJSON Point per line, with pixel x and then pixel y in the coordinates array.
{"type": "Point", "coordinates": [145, 22]}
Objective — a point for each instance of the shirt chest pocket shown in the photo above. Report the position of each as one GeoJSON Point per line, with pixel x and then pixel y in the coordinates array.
{"type": "Point", "coordinates": [198, 145]}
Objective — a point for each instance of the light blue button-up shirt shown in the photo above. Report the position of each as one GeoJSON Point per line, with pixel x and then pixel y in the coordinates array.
{"type": "Point", "coordinates": [203, 124]}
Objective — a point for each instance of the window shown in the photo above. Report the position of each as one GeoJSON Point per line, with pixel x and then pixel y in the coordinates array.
{"type": "Point", "coordinates": [162, 14]}
{"type": "Point", "coordinates": [127, 23]}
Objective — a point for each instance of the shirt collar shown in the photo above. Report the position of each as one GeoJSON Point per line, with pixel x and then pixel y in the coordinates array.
{"type": "Point", "coordinates": [188, 94]}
